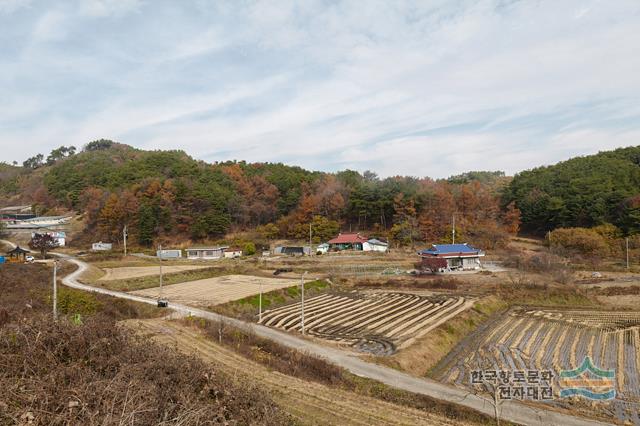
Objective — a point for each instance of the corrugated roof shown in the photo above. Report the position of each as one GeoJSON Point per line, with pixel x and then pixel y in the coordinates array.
{"type": "Point", "coordinates": [450, 248]}
{"type": "Point", "coordinates": [348, 239]}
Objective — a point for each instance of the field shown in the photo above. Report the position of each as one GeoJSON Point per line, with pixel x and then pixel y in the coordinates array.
{"type": "Point", "coordinates": [128, 272]}
{"type": "Point", "coordinates": [214, 291]}
{"type": "Point", "coordinates": [556, 340]}
{"type": "Point", "coordinates": [375, 322]}
{"type": "Point", "coordinates": [308, 401]}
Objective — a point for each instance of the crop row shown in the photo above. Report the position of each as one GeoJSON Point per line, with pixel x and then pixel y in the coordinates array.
{"type": "Point", "coordinates": [558, 341]}
{"type": "Point", "coordinates": [371, 322]}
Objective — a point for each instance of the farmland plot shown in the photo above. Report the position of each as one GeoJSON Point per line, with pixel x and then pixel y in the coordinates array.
{"type": "Point", "coordinates": [556, 340]}
{"type": "Point", "coordinates": [217, 290]}
{"type": "Point", "coordinates": [378, 323]}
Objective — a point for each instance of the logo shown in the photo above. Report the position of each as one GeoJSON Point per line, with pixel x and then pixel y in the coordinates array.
{"type": "Point", "coordinates": [588, 381]}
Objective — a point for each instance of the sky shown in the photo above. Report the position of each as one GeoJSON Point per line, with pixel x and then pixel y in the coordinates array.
{"type": "Point", "coordinates": [419, 88]}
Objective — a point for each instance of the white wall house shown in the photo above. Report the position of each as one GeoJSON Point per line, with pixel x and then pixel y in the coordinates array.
{"type": "Point", "coordinates": [232, 252]}
{"type": "Point", "coordinates": [205, 253]}
{"type": "Point", "coordinates": [100, 246]}
{"type": "Point", "coordinates": [375, 245]}
{"type": "Point", "coordinates": [169, 254]}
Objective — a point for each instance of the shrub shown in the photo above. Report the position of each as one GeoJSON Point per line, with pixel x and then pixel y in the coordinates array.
{"type": "Point", "coordinates": [582, 241]}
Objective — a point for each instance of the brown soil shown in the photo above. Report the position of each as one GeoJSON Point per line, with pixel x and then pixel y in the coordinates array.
{"type": "Point", "coordinates": [144, 271]}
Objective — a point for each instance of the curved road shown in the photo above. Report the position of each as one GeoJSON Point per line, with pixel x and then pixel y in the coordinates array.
{"type": "Point", "coordinates": [510, 410]}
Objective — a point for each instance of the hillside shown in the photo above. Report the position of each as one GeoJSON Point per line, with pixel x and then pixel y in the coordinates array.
{"type": "Point", "coordinates": [169, 195]}
{"type": "Point", "coordinates": [580, 192]}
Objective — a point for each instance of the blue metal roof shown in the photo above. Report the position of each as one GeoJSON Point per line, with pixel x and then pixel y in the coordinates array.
{"type": "Point", "coordinates": [450, 248]}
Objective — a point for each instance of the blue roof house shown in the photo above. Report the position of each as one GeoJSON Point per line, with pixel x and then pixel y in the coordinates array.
{"type": "Point", "coordinates": [458, 256]}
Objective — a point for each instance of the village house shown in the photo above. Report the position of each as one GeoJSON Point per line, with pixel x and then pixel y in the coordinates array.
{"type": "Point", "coordinates": [100, 246]}
{"type": "Point", "coordinates": [169, 253]}
{"type": "Point", "coordinates": [206, 253]}
{"type": "Point", "coordinates": [232, 252]}
{"type": "Point", "coordinates": [347, 241]}
{"type": "Point", "coordinates": [456, 256]}
{"type": "Point", "coordinates": [375, 245]}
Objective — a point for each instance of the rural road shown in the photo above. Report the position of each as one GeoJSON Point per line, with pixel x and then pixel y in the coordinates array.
{"type": "Point", "coordinates": [510, 410]}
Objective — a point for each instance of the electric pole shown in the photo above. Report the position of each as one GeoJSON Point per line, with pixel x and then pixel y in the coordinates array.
{"type": "Point", "coordinates": [302, 305]}
{"type": "Point", "coordinates": [627, 244]}
{"type": "Point", "coordinates": [55, 290]}
{"type": "Point", "coordinates": [160, 257]}
{"type": "Point", "coordinates": [310, 247]}
{"type": "Point", "coordinates": [124, 237]}
{"type": "Point", "coordinates": [453, 229]}
{"type": "Point", "coordinates": [260, 304]}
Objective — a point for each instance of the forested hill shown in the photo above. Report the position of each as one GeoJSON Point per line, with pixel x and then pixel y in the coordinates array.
{"type": "Point", "coordinates": [581, 192]}
{"type": "Point", "coordinates": [168, 194]}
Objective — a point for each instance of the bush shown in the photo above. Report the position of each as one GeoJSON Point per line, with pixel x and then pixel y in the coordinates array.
{"type": "Point", "coordinates": [249, 249]}
{"type": "Point", "coordinates": [582, 241]}
{"type": "Point", "coordinates": [97, 373]}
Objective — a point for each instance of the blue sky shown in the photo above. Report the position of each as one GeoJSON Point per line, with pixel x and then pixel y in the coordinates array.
{"type": "Point", "coordinates": [421, 88]}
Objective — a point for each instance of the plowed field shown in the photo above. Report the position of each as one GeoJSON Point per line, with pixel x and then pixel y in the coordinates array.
{"type": "Point", "coordinates": [378, 323]}
{"type": "Point", "coordinates": [557, 340]}
{"type": "Point", "coordinates": [213, 291]}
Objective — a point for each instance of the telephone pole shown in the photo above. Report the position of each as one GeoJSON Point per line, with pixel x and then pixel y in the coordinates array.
{"type": "Point", "coordinates": [124, 237]}
{"type": "Point", "coordinates": [260, 304]}
{"type": "Point", "coordinates": [302, 305]}
{"type": "Point", "coordinates": [160, 257]}
{"type": "Point", "coordinates": [310, 248]}
{"type": "Point", "coordinates": [627, 244]}
{"type": "Point", "coordinates": [55, 290]}
{"type": "Point", "coordinates": [453, 229]}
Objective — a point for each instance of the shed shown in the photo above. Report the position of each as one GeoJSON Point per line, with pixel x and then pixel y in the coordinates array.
{"type": "Point", "coordinates": [375, 245]}
{"type": "Point", "coordinates": [232, 252]}
{"type": "Point", "coordinates": [169, 254]}
{"type": "Point", "coordinates": [205, 253]}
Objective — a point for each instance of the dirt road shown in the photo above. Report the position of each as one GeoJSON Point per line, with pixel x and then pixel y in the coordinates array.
{"type": "Point", "coordinates": [511, 410]}
{"type": "Point", "coordinates": [309, 402]}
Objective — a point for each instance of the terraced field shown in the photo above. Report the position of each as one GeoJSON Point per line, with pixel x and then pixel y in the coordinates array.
{"type": "Point", "coordinates": [556, 341]}
{"type": "Point", "coordinates": [378, 323]}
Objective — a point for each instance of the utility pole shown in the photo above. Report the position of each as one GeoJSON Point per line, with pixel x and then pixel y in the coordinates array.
{"type": "Point", "coordinates": [260, 304]}
{"type": "Point", "coordinates": [55, 290]}
{"type": "Point", "coordinates": [160, 257]}
{"type": "Point", "coordinates": [453, 229]}
{"type": "Point", "coordinates": [124, 237]}
{"type": "Point", "coordinates": [302, 305]}
{"type": "Point", "coordinates": [627, 244]}
{"type": "Point", "coordinates": [310, 247]}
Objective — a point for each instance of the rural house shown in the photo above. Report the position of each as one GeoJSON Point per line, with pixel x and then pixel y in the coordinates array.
{"type": "Point", "coordinates": [206, 253]}
{"type": "Point", "coordinates": [347, 241]}
{"type": "Point", "coordinates": [232, 252]}
{"type": "Point", "coordinates": [375, 245]}
{"type": "Point", "coordinates": [456, 256]}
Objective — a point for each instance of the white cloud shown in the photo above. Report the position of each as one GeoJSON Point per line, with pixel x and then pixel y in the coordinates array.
{"type": "Point", "coordinates": [402, 87]}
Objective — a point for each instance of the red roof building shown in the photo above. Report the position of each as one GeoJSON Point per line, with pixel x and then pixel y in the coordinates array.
{"type": "Point", "coordinates": [347, 241]}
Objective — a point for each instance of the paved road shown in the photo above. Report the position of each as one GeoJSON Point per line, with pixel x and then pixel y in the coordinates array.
{"type": "Point", "coordinates": [511, 410]}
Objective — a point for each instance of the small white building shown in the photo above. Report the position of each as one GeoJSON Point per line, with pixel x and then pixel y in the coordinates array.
{"type": "Point", "coordinates": [322, 248]}
{"type": "Point", "coordinates": [375, 245]}
{"type": "Point", "coordinates": [205, 253]}
{"type": "Point", "coordinates": [100, 246]}
{"type": "Point", "coordinates": [232, 252]}
{"type": "Point", "coordinates": [169, 254]}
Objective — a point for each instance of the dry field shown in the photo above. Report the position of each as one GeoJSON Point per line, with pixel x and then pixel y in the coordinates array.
{"type": "Point", "coordinates": [557, 340]}
{"type": "Point", "coordinates": [309, 402]}
{"type": "Point", "coordinates": [214, 291]}
{"type": "Point", "coordinates": [374, 322]}
{"type": "Point", "coordinates": [128, 272]}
